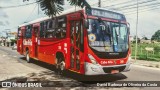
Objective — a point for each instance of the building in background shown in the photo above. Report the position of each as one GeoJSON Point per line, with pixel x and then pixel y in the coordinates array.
{"type": "Point", "coordinates": [9, 40]}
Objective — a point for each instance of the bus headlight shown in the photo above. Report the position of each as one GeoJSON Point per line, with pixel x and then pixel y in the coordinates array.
{"type": "Point", "coordinates": [128, 64]}
{"type": "Point", "coordinates": [129, 59]}
{"type": "Point", "coordinates": [93, 60]}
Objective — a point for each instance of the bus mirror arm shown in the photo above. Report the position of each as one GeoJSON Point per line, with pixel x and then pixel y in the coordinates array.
{"type": "Point", "coordinates": [128, 28]}
{"type": "Point", "coordinates": [86, 23]}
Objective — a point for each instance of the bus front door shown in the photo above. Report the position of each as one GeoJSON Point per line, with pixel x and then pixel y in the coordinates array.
{"type": "Point", "coordinates": [35, 46]}
{"type": "Point", "coordinates": [76, 39]}
{"type": "Point", "coordinates": [20, 40]}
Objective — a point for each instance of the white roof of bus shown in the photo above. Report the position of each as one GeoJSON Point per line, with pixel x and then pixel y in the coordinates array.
{"type": "Point", "coordinates": [63, 13]}
{"type": "Point", "coordinates": [45, 18]}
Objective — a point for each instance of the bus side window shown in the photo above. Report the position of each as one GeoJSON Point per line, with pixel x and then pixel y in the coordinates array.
{"type": "Point", "coordinates": [45, 29]}
{"type": "Point", "coordinates": [42, 30]}
{"type": "Point", "coordinates": [28, 32]}
{"type": "Point", "coordinates": [19, 33]}
{"type": "Point", "coordinates": [58, 33]}
{"type": "Point", "coordinates": [78, 34]}
{"type": "Point", "coordinates": [50, 31]}
{"type": "Point", "coordinates": [72, 32]}
{"type": "Point", "coordinates": [50, 24]}
{"type": "Point", "coordinates": [61, 31]}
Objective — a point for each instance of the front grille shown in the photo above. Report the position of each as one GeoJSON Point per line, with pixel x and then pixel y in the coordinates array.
{"type": "Point", "coordinates": [109, 69]}
{"type": "Point", "coordinates": [106, 55]}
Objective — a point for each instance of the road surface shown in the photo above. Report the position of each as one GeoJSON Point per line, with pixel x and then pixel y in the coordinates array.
{"type": "Point", "coordinates": [13, 65]}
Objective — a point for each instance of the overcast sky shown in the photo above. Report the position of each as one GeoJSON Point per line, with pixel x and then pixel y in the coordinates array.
{"type": "Point", "coordinates": [148, 21]}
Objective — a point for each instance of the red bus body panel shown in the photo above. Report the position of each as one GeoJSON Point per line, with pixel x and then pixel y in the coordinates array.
{"type": "Point", "coordinates": [45, 49]}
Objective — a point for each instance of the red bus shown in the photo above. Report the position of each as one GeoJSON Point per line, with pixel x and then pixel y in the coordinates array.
{"type": "Point", "coordinates": [89, 41]}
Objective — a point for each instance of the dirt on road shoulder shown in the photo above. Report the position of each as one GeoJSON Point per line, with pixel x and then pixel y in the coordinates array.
{"type": "Point", "coordinates": [10, 67]}
{"type": "Point", "coordinates": [153, 64]}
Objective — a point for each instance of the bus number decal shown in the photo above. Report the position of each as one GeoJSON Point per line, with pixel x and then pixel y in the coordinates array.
{"type": "Point", "coordinates": [65, 44]}
{"type": "Point", "coordinates": [107, 62]}
{"type": "Point", "coordinates": [29, 42]}
{"type": "Point", "coordinates": [38, 42]}
{"type": "Point", "coordinates": [65, 49]}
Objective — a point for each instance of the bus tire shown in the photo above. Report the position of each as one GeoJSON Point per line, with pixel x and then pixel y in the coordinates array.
{"type": "Point", "coordinates": [56, 64]}
{"type": "Point", "coordinates": [60, 66]}
{"type": "Point", "coordinates": [28, 57]}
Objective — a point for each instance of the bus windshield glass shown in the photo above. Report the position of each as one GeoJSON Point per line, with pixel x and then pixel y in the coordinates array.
{"type": "Point", "coordinates": [104, 36]}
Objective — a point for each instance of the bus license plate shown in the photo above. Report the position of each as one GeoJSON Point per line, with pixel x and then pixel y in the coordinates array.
{"type": "Point", "coordinates": [114, 71]}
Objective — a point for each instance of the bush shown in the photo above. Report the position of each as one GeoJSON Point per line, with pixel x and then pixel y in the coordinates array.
{"type": "Point", "coordinates": [157, 49]}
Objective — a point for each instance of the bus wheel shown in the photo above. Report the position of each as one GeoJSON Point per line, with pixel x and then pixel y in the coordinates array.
{"type": "Point", "coordinates": [60, 65]}
{"type": "Point", "coordinates": [28, 57]}
{"type": "Point", "coordinates": [56, 65]}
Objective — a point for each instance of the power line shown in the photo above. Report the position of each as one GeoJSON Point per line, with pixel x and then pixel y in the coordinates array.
{"type": "Point", "coordinates": [143, 2]}
{"type": "Point", "coordinates": [146, 2]}
{"type": "Point", "coordinates": [101, 1]}
{"type": "Point", "coordinates": [131, 10]}
{"type": "Point", "coordinates": [119, 4]}
{"type": "Point", "coordinates": [144, 10]}
{"type": "Point", "coordinates": [31, 12]}
{"type": "Point", "coordinates": [129, 7]}
{"type": "Point", "coordinates": [153, 4]}
{"type": "Point", "coordinates": [18, 5]}
{"type": "Point", "coordinates": [132, 6]}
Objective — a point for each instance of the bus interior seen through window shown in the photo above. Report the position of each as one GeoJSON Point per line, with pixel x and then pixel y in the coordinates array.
{"type": "Point", "coordinates": [28, 31]}
{"type": "Point", "coordinates": [107, 36]}
{"type": "Point", "coordinates": [49, 29]}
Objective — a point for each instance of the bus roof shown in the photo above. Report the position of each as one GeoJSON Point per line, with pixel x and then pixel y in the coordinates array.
{"type": "Point", "coordinates": [71, 10]}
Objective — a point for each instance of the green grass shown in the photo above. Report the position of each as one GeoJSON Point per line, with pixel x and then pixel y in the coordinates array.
{"type": "Point", "coordinates": [142, 54]}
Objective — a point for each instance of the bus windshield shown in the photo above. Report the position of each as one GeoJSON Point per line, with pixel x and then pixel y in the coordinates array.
{"type": "Point", "coordinates": [104, 36]}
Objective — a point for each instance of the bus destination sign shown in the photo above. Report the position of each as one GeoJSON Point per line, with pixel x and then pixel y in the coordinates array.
{"type": "Point", "coordinates": [105, 13]}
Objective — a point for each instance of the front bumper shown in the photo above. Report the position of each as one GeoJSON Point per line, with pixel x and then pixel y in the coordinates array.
{"type": "Point", "coordinates": [92, 69]}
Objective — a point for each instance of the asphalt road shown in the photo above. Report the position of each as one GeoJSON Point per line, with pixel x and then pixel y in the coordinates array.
{"type": "Point", "coordinates": [137, 73]}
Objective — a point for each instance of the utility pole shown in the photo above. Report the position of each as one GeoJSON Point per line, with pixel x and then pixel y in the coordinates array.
{"type": "Point", "coordinates": [38, 8]}
{"type": "Point", "coordinates": [25, 0]}
{"type": "Point", "coordinates": [38, 11]}
{"type": "Point", "coordinates": [99, 3]}
{"type": "Point", "coordinates": [7, 36]}
{"type": "Point", "coordinates": [136, 32]}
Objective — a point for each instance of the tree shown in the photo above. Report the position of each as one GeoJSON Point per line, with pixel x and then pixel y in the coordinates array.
{"type": "Point", "coordinates": [144, 37]}
{"type": "Point", "coordinates": [156, 36]}
{"type": "Point", "coordinates": [138, 39]}
{"type": "Point", "coordinates": [54, 7]}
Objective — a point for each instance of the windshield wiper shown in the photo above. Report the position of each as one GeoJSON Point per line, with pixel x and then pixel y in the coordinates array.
{"type": "Point", "coordinates": [108, 29]}
{"type": "Point", "coordinates": [107, 32]}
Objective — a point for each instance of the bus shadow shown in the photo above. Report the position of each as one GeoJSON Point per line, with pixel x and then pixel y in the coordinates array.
{"type": "Point", "coordinates": [40, 63]}
{"type": "Point", "coordinates": [96, 78]}
{"type": "Point", "coordinates": [79, 77]}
